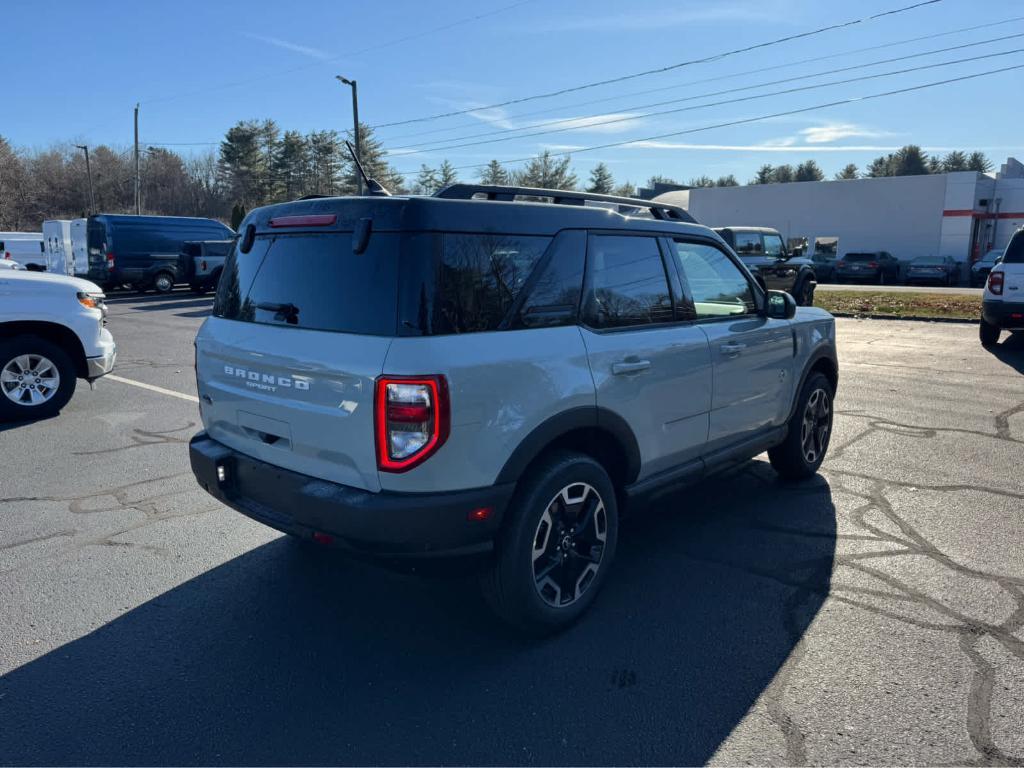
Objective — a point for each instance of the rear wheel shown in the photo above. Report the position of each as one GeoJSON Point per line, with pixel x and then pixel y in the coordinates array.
{"type": "Point", "coordinates": [810, 429]}
{"type": "Point", "coordinates": [37, 378]}
{"type": "Point", "coordinates": [163, 282]}
{"type": "Point", "coordinates": [988, 333]}
{"type": "Point", "coordinates": [557, 545]}
{"type": "Point", "coordinates": [804, 293]}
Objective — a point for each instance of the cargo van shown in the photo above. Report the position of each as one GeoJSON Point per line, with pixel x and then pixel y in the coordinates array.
{"type": "Point", "coordinates": [24, 247]}
{"type": "Point", "coordinates": [80, 246]}
{"type": "Point", "coordinates": [142, 251]}
{"type": "Point", "coordinates": [57, 244]}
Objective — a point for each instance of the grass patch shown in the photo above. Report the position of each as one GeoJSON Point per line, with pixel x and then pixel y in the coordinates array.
{"type": "Point", "coordinates": [892, 304]}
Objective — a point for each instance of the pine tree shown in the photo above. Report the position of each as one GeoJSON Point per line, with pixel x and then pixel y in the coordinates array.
{"type": "Point", "coordinates": [327, 164]}
{"type": "Point", "coordinates": [426, 181]}
{"type": "Point", "coordinates": [935, 165]}
{"type": "Point", "coordinates": [808, 171]}
{"type": "Point", "coordinates": [546, 172]}
{"type": "Point", "coordinates": [446, 175]}
{"type": "Point", "coordinates": [291, 165]}
{"type": "Point", "coordinates": [910, 161]}
{"type": "Point", "coordinates": [880, 167]}
{"type": "Point", "coordinates": [849, 172]}
{"type": "Point", "coordinates": [726, 181]}
{"type": "Point", "coordinates": [625, 189]}
{"type": "Point", "coordinates": [978, 162]}
{"type": "Point", "coordinates": [783, 174]}
{"type": "Point", "coordinates": [494, 173]}
{"type": "Point", "coordinates": [765, 175]}
{"type": "Point", "coordinates": [241, 162]}
{"type": "Point", "coordinates": [702, 181]}
{"type": "Point", "coordinates": [601, 180]}
{"type": "Point", "coordinates": [659, 179]}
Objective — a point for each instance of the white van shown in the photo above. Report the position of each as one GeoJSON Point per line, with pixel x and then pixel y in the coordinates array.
{"type": "Point", "coordinates": [57, 243]}
{"type": "Point", "coordinates": [24, 247]}
{"type": "Point", "coordinates": [80, 246]}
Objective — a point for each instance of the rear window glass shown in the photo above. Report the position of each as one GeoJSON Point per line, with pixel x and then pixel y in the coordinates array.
{"type": "Point", "coordinates": [313, 281]}
{"type": "Point", "coordinates": [1015, 249]}
{"type": "Point", "coordinates": [861, 257]}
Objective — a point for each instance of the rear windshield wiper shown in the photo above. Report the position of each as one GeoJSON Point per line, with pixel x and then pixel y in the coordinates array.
{"type": "Point", "coordinates": [288, 313]}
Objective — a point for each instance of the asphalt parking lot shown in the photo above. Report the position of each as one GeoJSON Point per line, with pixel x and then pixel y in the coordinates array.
{"type": "Point", "coordinates": [874, 615]}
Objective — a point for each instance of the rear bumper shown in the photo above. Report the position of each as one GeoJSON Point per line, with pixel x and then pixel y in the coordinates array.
{"type": "Point", "coordinates": [384, 524]}
{"type": "Point", "coordinates": [1005, 314]}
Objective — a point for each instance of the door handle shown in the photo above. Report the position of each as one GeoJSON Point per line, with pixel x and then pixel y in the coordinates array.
{"type": "Point", "coordinates": [630, 366]}
{"type": "Point", "coordinates": [732, 348]}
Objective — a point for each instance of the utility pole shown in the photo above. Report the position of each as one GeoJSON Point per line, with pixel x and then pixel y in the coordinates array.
{"type": "Point", "coordinates": [88, 173]}
{"type": "Point", "coordinates": [138, 183]}
{"type": "Point", "coordinates": [355, 127]}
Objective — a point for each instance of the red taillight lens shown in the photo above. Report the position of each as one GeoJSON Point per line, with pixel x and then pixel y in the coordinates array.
{"type": "Point", "coordinates": [110, 262]}
{"type": "Point", "coordinates": [840, 263]}
{"type": "Point", "coordinates": [202, 265]}
{"type": "Point", "coordinates": [995, 283]}
{"type": "Point", "coordinates": [314, 220]}
{"type": "Point", "coordinates": [873, 264]}
{"type": "Point", "coordinates": [412, 420]}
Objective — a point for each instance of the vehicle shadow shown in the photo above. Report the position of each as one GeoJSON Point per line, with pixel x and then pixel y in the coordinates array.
{"type": "Point", "coordinates": [286, 655]}
{"type": "Point", "coordinates": [157, 299]}
{"type": "Point", "coordinates": [1011, 351]}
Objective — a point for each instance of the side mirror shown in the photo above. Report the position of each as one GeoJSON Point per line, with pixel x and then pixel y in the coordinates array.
{"type": "Point", "coordinates": [781, 305]}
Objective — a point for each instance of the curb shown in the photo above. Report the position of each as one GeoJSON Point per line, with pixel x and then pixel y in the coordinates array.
{"type": "Point", "coordinates": [915, 318]}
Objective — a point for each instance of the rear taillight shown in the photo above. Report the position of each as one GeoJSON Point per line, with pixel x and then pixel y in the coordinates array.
{"type": "Point", "coordinates": [840, 263]}
{"type": "Point", "coordinates": [995, 283]}
{"type": "Point", "coordinates": [202, 265]}
{"type": "Point", "coordinates": [110, 262]}
{"type": "Point", "coordinates": [411, 414]}
{"type": "Point", "coordinates": [873, 264]}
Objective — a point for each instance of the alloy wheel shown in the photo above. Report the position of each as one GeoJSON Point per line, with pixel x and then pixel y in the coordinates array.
{"type": "Point", "coordinates": [568, 544]}
{"type": "Point", "coordinates": [816, 424]}
{"type": "Point", "coordinates": [29, 380]}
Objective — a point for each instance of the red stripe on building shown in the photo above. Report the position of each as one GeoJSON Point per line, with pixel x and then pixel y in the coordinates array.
{"type": "Point", "coordinates": [982, 214]}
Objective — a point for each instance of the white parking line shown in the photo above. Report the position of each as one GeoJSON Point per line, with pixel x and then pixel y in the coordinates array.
{"type": "Point", "coordinates": [152, 388]}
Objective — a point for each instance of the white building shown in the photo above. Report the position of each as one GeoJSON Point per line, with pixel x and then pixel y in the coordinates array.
{"type": "Point", "coordinates": [962, 215]}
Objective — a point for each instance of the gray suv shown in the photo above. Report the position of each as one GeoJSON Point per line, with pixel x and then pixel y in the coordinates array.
{"type": "Point", "coordinates": [497, 373]}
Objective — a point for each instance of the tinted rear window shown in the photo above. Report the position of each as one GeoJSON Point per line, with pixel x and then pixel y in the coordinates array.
{"type": "Point", "coordinates": [313, 281]}
{"type": "Point", "coordinates": [861, 257]}
{"type": "Point", "coordinates": [1015, 249]}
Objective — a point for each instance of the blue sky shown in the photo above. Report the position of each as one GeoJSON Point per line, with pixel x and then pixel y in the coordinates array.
{"type": "Point", "coordinates": [73, 71]}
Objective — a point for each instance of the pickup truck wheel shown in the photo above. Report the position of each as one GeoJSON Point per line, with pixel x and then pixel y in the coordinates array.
{"type": "Point", "coordinates": [804, 293]}
{"type": "Point", "coordinates": [37, 378]}
{"type": "Point", "coordinates": [810, 429]}
{"type": "Point", "coordinates": [163, 282]}
{"type": "Point", "coordinates": [988, 333]}
{"type": "Point", "coordinates": [556, 547]}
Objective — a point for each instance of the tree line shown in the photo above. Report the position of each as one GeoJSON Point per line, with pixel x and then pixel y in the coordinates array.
{"type": "Point", "coordinates": [257, 163]}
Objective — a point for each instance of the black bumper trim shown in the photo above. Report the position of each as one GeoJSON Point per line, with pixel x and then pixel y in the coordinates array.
{"type": "Point", "coordinates": [383, 524]}
{"type": "Point", "coordinates": [1001, 313]}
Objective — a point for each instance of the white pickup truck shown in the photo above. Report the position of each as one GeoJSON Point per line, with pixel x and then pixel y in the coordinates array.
{"type": "Point", "coordinates": [51, 333]}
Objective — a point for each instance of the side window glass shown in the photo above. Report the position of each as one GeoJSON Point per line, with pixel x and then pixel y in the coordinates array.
{"type": "Point", "coordinates": [718, 287]}
{"type": "Point", "coordinates": [748, 244]}
{"type": "Point", "coordinates": [772, 246]}
{"type": "Point", "coordinates": [627, 283]}
{"type": "Point", "coordinates": [555, 295]}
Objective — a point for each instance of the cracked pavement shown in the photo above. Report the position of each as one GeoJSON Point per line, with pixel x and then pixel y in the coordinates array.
{"type": "Point", "coordinates": [873, 615]}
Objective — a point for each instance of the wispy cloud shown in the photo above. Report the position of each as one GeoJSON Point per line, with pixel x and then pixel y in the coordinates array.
{"type": "Point", "coordinates": [624, 121]}
{"type": "Point", "coordinates": [829, 132]}
{"type": "Point", "coordinates": [305, 50]}
{"type": "Point", "coordinates": [762, 147]}
{"type": "Point", "coordinates": [663, 17]}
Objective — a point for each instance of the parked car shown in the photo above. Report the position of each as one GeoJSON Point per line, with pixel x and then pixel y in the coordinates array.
{"type": "Point", "coordinates": [1002, 303]}
{"type": "Point", "coordinates": [824, 266]}
{"type": "Point", "coordinates": [942, 270]}
{"type": "Point", "coordinates": [51, 333]}
{"type": "Point", "coordinates": [143, 251]}
{"type": "Point", "coordinates": [450, 376]}
{"type": "Point", "coordinates": [201, 263]}
{"type": "Point", "coordinates": [765, 254]}
{"type": "Point", "coordinates": [10, 264]}
{"type": "Point", "coordinates": [874, 267]}
{"type": "Point", "coordinates": [26, 248]}
{"type": "Point", "coordinates": [981, 268]}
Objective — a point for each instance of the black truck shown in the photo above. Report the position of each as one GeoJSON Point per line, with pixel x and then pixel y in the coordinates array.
{"type": "Point", "coordinates": [764, 252]}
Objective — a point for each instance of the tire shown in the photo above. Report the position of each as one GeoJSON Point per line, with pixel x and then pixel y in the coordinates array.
{"type": "Point", "coordinates": [804, 293]}
{"type": "Point", "coordinates": [163, 282]}
{"type": "Point", "coordinates": [532, 545]}
{"type": "Point", "coordinates": [44, 395]}
{"type": "Point", "coordinates": [810, 429]}
{"type": "Point", "coordinates": [988, 333]}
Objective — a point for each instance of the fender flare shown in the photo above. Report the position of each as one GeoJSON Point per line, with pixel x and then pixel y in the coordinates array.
{"type": "Point", "coordinates": [583, 417]}
{"type": "Point", "coordinates": [823, 352]}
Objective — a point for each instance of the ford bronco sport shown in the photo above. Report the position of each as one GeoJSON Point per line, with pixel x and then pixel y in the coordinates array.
{"type": "Point", "coordinates": [471, 374]}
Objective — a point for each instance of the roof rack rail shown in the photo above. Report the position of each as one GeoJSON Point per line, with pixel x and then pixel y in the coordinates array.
{"type": "Point", "coordinates": [563, 197]}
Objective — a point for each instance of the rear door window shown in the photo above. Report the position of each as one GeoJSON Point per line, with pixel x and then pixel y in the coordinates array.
{"type": "Point", "coordinates": [627, 283]}
{"type": "Point", "coordinates": [748, 244]}
{"type": "Point", "coordinates": [1015, 249]}
{"type": "Point", "coordinates": [313, 281]}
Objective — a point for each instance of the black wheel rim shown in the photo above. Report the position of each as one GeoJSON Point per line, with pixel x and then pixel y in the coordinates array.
{"type": "Point", "coordinates": [815, 427]}
{"type": "Point", "coordinates": [568, 544]}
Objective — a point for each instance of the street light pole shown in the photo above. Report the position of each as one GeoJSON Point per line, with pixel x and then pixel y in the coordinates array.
{"type": "Point", "coordinates": [88, 173]}
{"type": "Point", "coordinates": [355, 126]}
{"type": "Point", "coordinates": [138, 180]}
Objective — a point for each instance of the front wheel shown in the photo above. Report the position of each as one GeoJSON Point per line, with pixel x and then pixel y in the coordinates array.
{"type": "Point", "coordinates": [556, 547]}
{"type": "Point", "coordinates": [163, 282]}
{"type": "Point", "coordinates": [810, 428]}
{"type": "Point", "coordinates": [988, 333]}
{"type": "Point", "coordinates": [804, 293]}
{"type": "Point", "coordinates": [37, 378]}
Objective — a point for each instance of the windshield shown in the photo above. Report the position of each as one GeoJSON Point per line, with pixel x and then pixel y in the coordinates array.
{"type": "Point", "coordinates": [926, 261]}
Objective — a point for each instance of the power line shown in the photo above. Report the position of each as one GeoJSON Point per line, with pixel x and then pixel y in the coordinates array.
{"type": "Point", "coordinates": [668, 68]}
{"type": "Point", "coordinates": [576, 123]}
{"type": "Point", "coordinates": [746, 120]}
{"type": "Point", "coordinates": [759, 70]}
{"type": "Point", "coordinates": [370, 49]}
{"type": "Point", "coordinates": [783, 92]}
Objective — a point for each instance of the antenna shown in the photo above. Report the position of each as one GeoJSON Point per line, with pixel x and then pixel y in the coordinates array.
{"type": "Point", "coordinates": [373, 187]}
